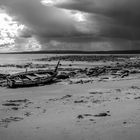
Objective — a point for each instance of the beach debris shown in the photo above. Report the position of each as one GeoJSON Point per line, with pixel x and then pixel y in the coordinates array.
{"type": "Point", "coordinates": [62, 98]}
{"type": "Point", "coordinates": [14, 108]}
{"type": "Point", "coordinates": [17, 101]}
{"type": "Point", "coordinates": [11, 119]}
{"type": "Point", "coordinates": [99, 91]}
{"type": "Point", "coordinates": [80, 117]}
{"type": "Point", "coordinates": [63, 76]}
{"type": "Point", "coordinates": [5, 122]}
{"type": "Point", "coordinates": [85, 115]}
{"type": "Point", "coordinates": [80, 101]}
{"type": "Point", "coordinates": [97, 101]}
{"type": "Point", "coordinates": [137, 98]}
{"type": "Point", "coordinates": [38, 107]}
{"type": "Point", "coordinates": [134, 87]}
{"type": "Point", "coordinates": [15, 104]}
{"type": "Point", "coordinates": [95, 92]}
{"type": "Point", "coordinates": [80, 80]}
{"type": "Point", "coordinates": [124, 122]}
{"type": "Point", "coordinates": [104, 114]}
{"type": "Point", "coordinates": [53, 99]}
{"type": "Point", "coordinates": [66, 96]}
{"type": "Point", "coordinates": [72, 73]}
{"type": "Point", "coordinates": [117, 98]}
{"type": "Point", "coordinates": [92, 120]}
{"type": "Point", "coordinates": [125, 73]}
{"type": "Point", "coordinates": [11, 104]}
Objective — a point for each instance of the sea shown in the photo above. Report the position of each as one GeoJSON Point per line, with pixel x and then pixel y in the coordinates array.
{"type": "Point", "coordinates": [27, 58]}
{"type": "Point", "coordinates": [21, 58]}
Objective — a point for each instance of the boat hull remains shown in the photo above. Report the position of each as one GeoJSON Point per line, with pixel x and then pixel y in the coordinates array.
{"type": "Point", "coordinates": [32, 78]}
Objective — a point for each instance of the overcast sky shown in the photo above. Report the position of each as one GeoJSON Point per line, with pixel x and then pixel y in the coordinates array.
{"type": "Point", "coordinates": [93, 25]}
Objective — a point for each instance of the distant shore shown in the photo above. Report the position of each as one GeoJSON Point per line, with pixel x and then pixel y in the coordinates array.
{"type": "Point", "coordinates": [76, 52]}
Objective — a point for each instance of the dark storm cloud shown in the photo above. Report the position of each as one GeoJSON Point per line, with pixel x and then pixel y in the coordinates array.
{"type": "Point", "coordinates": [75, 39]}
{"type": "Point", "coordinates": [116, 18]}
{"type": "Point", "coordinates": [125, 11]}
{"type": "Point", "coordinates": [42, 21]}
{"type": "Point", "coordinates": [113, 23]}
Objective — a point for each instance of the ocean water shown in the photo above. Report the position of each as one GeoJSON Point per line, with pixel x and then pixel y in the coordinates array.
{"type": "Point", "coordinates": [21, 58]}
{"type": "Point", "coordinates": [27, 58]}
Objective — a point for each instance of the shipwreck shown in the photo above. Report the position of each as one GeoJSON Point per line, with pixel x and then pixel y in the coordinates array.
{"type": "Point", "coordinates": [32, 78]}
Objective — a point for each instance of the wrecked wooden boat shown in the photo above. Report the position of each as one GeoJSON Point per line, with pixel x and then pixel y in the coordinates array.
{"type": "Point", "coordinates": [32, 78]}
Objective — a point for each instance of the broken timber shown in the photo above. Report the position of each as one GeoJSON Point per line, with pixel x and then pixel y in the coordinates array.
{"type": "Point", "coordinates": [32, 78]}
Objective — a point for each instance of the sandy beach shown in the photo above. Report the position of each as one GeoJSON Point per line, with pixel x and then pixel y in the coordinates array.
{"type": "Point", "coordinates": [81, 112]}
{"type": "Point", "coordinates": [100, 107]}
